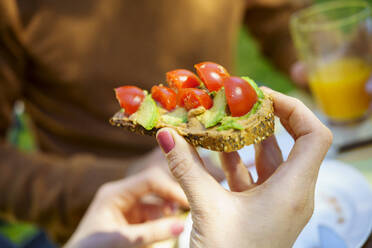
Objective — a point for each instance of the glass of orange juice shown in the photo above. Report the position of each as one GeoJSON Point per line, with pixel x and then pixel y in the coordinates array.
{"type": "Point", "coordinates": [334, 39]}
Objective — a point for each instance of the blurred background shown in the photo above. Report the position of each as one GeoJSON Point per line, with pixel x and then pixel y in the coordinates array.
{"type": "Point", "coordinates": [249, 61]}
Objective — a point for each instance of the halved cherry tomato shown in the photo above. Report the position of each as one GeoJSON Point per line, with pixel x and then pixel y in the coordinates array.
{"type": "Point", "coordinates": [182, 79]}
{"type": "Point", "coordinates": [192, 98]}
{"type": "Point", "coordinates": [165, 96]}
{"type": "Point", "coordinates": [130, 98]}
{"type": "Point", "coordinates": [211, 74]}
{"type": "Point", "coordinates": [240, 95]}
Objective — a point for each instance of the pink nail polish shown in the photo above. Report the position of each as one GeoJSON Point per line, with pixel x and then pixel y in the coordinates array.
{"type": "Point", "coordinates": [177, 229]}
{"type": "Point", "coordinates": [166, 141]}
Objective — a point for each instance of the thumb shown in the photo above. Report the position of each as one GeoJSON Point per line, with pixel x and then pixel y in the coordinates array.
{"type": "Point", "coordinates": [186, 166]}
{"type": "Point", "coordinates": [155, 231]}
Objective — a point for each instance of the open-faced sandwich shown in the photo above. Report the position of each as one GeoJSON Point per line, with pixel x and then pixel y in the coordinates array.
{"type": "Point", "coordinates": [215, 110]}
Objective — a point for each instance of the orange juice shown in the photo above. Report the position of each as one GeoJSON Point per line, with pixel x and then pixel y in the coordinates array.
{"type": "Point", "coordinates": [339, 88]}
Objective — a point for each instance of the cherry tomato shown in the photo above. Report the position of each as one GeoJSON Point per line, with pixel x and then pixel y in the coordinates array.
{"type": "Point", "coordinates": [165, 96]}
{"type": "Point", "coordinates": [130, 98]}
{"type": "Point", "coordinates": [240, 95]}
{"type": "Point", "coordinates": [182, 79]}
{"type": "Point", "coordinates": [192, 98]}
{"type": "Point", "coordinates": [211, 74]}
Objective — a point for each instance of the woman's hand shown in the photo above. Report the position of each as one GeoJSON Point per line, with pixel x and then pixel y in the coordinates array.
{"type": "Point", "coordinates": [268, 213]}
{"type": "Point", "coordinates": [120, 216]}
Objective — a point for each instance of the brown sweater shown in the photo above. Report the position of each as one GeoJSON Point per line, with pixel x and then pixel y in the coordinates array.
{"type": "Point", "coordinates": [63, 58]}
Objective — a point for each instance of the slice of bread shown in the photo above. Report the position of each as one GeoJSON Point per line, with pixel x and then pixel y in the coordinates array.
{"type": "Point", "coordinates": [257, 127]}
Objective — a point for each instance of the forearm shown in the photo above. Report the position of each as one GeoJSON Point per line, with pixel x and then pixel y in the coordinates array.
{"type": "Point", "coordinates": [52, 192]}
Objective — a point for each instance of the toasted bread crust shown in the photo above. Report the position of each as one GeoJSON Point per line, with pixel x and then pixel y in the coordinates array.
{"type": "Point", "coordinates": [257, 128]}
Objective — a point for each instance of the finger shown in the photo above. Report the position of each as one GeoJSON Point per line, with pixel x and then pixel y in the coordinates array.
{"type": "Point", "coordinates": [154, 231]}
{"type": "Point", "coordinates": [152, 211]}
{"type": "Point", "coordinates": [312, 138]}
{"type": "Point", "coordinates": [299, 74]}
{"type": "Point", "coordinates": [213, 169]}
{"type": "Point", "coordinates": [128, 191]}
{"type": "Point", "coordinates": [163, 185]}
{"type": "Point", "coordinates": [237, 175]}
{"type": "Point", "coordinates": [186, 166]}
{"type": "Point", "coordinates": [268, 158]}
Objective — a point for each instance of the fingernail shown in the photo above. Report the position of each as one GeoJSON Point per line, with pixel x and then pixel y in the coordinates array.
{"type": "Point", "coordinates": [177, 229]}
{"type": "Point", "coordinates": [165, 141]}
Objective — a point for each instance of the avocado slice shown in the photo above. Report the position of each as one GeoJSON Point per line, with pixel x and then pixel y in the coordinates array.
{"type": "Point", "coordinates": [229, 123]}
{"type": "Point", "coordinates": [259, 92]}
{"type": "Point", "coordinates": [147, 114]}
{"type": "Point", "coordinates": [176, 117]}
{"type": "Point", "coordinates": [215, 114]}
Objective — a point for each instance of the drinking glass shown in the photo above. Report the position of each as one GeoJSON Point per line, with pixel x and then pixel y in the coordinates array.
{"type": "Point", "coordinates": [334, 40]}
